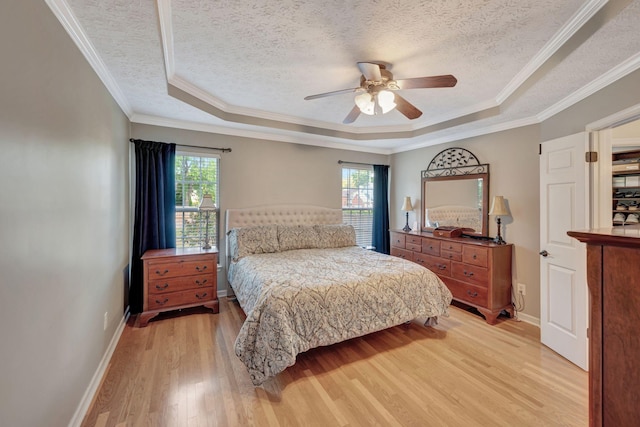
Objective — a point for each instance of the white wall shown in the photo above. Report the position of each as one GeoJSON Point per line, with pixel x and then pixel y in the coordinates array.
{"type": "Point", "coordinates": [63, 218]}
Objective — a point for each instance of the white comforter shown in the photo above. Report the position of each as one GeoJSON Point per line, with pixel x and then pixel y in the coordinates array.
{"type": "Point", "coordinates": [300, 299]}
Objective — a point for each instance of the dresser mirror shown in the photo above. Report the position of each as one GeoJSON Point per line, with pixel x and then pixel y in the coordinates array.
{"type": "Point", "coordinates": [455, 192]}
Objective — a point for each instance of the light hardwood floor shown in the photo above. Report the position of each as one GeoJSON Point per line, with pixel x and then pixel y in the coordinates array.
{"type": "Point", "coordinates": [181, 370]}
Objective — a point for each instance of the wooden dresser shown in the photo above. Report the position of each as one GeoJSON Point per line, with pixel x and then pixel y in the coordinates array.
{"type": "Point", "coordinates": [478, 272]}
{"type": "Point", "coordinates": [613, 277]}
{"type": "Point", "coordinates": [178, 278]}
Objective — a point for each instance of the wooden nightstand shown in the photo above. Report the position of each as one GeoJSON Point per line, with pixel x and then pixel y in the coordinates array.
{"type": "Point", "coordinates": [179, 278]}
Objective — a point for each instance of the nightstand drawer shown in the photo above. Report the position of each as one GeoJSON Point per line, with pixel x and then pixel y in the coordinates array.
{"type": "Point", "coordinates": [173, 299]}
{"type": "Point", "coordinates": [182, 283]}
{"type": "Point", "coordinates": [179, 267]}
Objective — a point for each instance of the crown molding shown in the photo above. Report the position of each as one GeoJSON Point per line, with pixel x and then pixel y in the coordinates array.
{"type": "Point", "coordinates": [621, 117]}
{"type": "Point", "coordinates": [458, 136]}
{"type": "Point", "coordinates": [292, 138]}
{"type": "Point", "coordinates": [577, 21]}
{"type": "Point", "coordinates": [611, 76]}
{"type": "Point", "coordinates": [65, 16]}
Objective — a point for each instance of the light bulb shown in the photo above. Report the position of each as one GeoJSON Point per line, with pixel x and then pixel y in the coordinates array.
{"type": "Point", "coordinates": [386, 101]}
{"type": "Point", "coordinates": [364, 101]}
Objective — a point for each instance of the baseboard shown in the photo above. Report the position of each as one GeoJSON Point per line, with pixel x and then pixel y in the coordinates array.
{"type": "Point", "coordinates": [89, 394]}
{"type": "Point", "coordinates": [529, 319]}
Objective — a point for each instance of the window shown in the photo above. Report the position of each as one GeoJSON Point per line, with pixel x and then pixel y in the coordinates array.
{"type": "Point", "coordinates": [357, 201]}
{"type": "Point", "coordinates": [196, 175]}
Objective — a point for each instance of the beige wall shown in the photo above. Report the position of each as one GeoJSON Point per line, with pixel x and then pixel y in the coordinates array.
{"type": "Point", "coordinates": [513, 159]}
{"type": "Point", "coordinates": [63, 218]}
{"type": "Point", "coordinates": [259, 172]}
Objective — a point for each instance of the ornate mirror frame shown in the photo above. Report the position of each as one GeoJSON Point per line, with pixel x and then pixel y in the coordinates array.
{"type": "Point", "coordinates": [451, 166]}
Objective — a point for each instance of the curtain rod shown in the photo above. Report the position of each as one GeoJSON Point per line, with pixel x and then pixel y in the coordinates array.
{"type": "Point", "coordinates": [224, 150]}
{"type": "Point", "coordinates": [357, 163]}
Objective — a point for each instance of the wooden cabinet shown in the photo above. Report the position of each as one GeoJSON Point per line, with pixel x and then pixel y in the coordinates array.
{"type": "Point", "coordinates": [178, 278]}
{"type": "Point", "coordinates": [477, 272]}
{"type": "Point", "coordinates": [614, 343]}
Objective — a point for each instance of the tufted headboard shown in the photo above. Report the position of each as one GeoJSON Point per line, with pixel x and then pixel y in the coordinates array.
{"type": "Point", "coordinates": [282, 214]}
{"type": "Point", "coordinates": [456, 216]}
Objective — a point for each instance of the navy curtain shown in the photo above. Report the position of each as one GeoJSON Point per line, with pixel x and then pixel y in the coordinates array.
{"type": "Point", "coordinates": [155, 210]}
{"type": "Point", "coordinates": [380, 238]}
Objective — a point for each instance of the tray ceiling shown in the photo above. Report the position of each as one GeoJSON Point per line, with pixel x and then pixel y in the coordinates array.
{"type": "Point", "coordinates": [243, 68]}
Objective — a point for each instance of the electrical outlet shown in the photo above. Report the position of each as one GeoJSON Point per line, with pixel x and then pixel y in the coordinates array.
{"type": "Point", "coordinates": [106, 320]}
{"type": "Point", "coordinates": [522, 289]}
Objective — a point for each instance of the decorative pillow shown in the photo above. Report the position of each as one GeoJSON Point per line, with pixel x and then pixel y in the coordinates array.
{"type": "Point", "coordinates": [297, 237]}
{"type": "Point", "coordinates": [336, 236]}
{"type": "Point", "coordinates": [260, 239]}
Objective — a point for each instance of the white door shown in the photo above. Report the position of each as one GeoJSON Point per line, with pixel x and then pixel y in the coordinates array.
{"type": "Point", "coordinates": [564, 206]}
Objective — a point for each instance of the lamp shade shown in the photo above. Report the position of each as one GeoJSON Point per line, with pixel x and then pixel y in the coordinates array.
{"type": "Point", "coordinates": [207, 203]}
{"type": "Point", "coordinates": [498, 207]}
{"type": "Point", "coordinates": [406, 206]}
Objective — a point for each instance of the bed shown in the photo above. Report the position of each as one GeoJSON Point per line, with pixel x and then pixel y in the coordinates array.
{"type": "Point", "coordinates": [303, 283]}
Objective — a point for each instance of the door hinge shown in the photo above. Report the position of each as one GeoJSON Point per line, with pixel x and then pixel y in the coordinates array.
{"type": "Point", "coordinates": [591, 156]}
{"type": "Point", "coordinates": [540, 149]}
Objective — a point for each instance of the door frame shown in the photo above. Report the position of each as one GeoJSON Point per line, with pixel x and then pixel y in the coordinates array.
{"type": "Point", "coordinates": [601, 141]}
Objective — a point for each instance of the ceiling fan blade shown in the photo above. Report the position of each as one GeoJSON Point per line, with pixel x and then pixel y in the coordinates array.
{"type": "Point", "coordinates": [352, 116]}
{"type": "Point", "coordinates": [370, 71]}
{"type": "Point", "coordinates": [335, 92]}
{"type": "Point", "coordinates": [406, 108]}
{"type": "Point", "coordinates": [446, 80]}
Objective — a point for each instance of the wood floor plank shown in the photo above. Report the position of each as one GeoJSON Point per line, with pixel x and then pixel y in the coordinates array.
{"type": "Point", "coordinates": [181, 370]}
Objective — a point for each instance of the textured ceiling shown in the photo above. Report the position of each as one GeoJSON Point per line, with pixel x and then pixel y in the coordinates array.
{"type": "Point", "coordinates": [243, 68]}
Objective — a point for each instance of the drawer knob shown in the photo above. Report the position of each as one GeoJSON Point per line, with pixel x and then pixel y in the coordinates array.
{"type": "Point", "coordinates": [163, 287]}
{"type": "Point", "coordinates": [474, 256]}
{"type": "Point", "coordinates": [201, 296]}
{"type": "Point", "coordinates": [442, 267]}
{"type": "Point", "coordinates": [468, 273]}
{"type": "Point", "coordinates": [199, 283]}
{"type": "Point", "coordinates": [166, 300]}
{"type": "Point", "coordinates": [472, 294]}
{"type": "Point", "coordinates": [431, 247]}
{"type": "Point", "coordinates": [159, 273]}
{"type": "Point", "coordinates": [450, 256]}
{"type": "Point", "coordinates": [201, 268]}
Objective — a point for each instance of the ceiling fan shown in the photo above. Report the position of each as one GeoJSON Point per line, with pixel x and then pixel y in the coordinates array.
{"type": "Point", "coordinates": [375, 94]}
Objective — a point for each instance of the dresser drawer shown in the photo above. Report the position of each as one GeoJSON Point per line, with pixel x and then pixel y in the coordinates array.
{"type": "Point", "coordinates": [430, 246]}
{"type": "Point", "coordinates": [442, 267]}
{"type": "Point", "coordinates": [180, 267]}
{"type": "Point", "coordinates": [452, 256]}
{"type": "Point", "coordinates": [413, 239]}
{"type": "Point", "coordinates": [468, 293]}
{"type": "Point", "coordinates": [182, 283]}
{"type": "Point", "coordinates": [470, 273]}
{"type": "Point", "coordinates": [398, 240]}
{"type": "Point", "coordinates": [451, 246]}
{"type": "Point", "coordinates": [173, 299]}
{"type": "Point", "coordinates": [416, 247]}
{"type": "Point", "coordinates": [402, 253]}
{"type": "Point", "coordinates": [475, 255]}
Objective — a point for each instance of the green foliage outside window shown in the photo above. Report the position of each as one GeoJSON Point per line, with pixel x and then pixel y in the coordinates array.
{"type": "Point", "coordinates": [195, 176]}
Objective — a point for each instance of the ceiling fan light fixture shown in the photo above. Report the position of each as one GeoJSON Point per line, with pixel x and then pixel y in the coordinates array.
{"type": "Point", "coordinates": [365, 103]}
{"type": "Point", "coordinates": [386, 100]}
